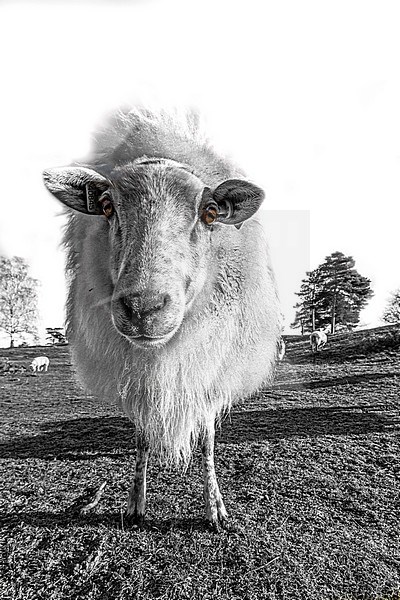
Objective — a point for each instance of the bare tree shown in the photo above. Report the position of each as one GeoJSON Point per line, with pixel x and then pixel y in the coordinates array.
{"type": "Point", "coordinates": [18, 300]}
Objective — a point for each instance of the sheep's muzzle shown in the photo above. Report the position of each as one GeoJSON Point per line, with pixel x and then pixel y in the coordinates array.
{"type": "Point", "coordinates": [147, 319]}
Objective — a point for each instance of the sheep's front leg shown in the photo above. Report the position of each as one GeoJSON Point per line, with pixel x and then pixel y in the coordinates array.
{"type": "Point", "coordinates": [137, 493]}
{"type": "Point", "coordinates": [215, 509]}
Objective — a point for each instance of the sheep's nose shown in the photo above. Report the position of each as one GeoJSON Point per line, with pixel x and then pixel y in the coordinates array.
{"type": "Point", "coordinates": [139, 306]}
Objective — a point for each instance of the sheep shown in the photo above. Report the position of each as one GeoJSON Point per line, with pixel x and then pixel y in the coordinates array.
{"type": "Point", "coordinates": [40, 363]}
{"type": "Point", "coordinates": [318, 339]}
{"type": "Point", "coordinates": [281, 348]}
{"type": "Point", "coordinates": [172, 308]}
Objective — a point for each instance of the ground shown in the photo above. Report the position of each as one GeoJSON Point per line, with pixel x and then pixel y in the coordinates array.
{"type": "Point", "coordinates": [309, 469]}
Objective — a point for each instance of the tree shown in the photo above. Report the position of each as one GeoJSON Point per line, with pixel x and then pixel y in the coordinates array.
{"type": "Point", "coordinates": [300, 319]}
{"type": "Point", "coordinates": [310, 295]}
{"type": "Point", "coordinates": [345, 291]}
{"type": "Point", "coordinates": [56, 335]}
{"type": "Point", "coordinates": [391, 314]}
{"type": "Point", "coordinates": [18, 300]}
{"type": "Point", "coordinates": [333, 294]}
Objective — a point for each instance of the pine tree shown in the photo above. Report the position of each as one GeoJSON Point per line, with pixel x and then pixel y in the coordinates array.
{"type": "Point", "coordinates": [345, 291]}
{"type": "Point", "coordinates": [300, 319]}
{"type": "Point", "coordinates": [307, 313]}
{"type": "Point", "coordinates": [391, 313]}
{"type": "Point", "coordinates": [332, 294]}
{"type": "Point", "coordinates": [18, 300]}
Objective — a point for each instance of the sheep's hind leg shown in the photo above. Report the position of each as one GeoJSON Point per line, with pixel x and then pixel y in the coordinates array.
{"type": "Point", "coordinates": [215, 509]}
{"type": "Point", "coordinates": [137, 494]}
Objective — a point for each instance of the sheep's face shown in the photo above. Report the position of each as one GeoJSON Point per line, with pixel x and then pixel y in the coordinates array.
{"type": "Point", "coordinates": [160, 217]}
{"type": "Point", "coordinates": [159, 249]}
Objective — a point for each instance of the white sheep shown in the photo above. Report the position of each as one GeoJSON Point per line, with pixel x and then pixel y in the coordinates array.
{"type": "Point", "coordinates": [281, 348]}
{"type": "Point", "coordinates": [318, 339]}
{"type": "Point", "coordinates": [40, 363]}
{"type": "Point", "coordinates": [172, 306]}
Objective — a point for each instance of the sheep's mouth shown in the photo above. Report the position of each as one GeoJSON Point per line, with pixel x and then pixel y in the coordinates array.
{"type": "Point", "coordinates": [144, 341]}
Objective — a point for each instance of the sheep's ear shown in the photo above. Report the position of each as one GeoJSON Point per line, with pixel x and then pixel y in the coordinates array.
{"type": "Point", "coordinates": [237, 201]}
{"type": "Point", "coordinates": [78, 187]}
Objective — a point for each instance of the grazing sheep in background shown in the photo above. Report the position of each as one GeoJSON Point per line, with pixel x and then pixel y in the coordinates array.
{"type": "Point", "coordinates": [40, 363]}
{"type": "Point", "coordinates": [172, 307]}
{"type": "Point", "coordinates": [318, 340]}
{"type": "Point", "coordinates": [281, 349]}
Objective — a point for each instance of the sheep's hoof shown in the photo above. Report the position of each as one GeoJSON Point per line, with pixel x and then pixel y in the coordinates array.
{"type": "Point", "coordinates": [219, 524]}
{"type": "Point", "coordinates": [219, 520]}
{"type": "Point", "coordinates": [134, 520]}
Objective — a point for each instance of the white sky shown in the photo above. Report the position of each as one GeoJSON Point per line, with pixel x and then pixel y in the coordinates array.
{"type": "Point", "coordinates": [305, 96]}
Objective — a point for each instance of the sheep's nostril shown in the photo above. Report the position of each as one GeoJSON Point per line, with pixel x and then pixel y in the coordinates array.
{"type": "Point", "coordinates": [127, 308]}
{"type": "Point", "coordinates": [154, 304]}
{"type": "Point", "coordinates": [139, 306]}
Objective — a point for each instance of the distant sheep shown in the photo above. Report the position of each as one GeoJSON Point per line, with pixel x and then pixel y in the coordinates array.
{"type": "Point", "coordinates": [172, 306]}
{"type": "Point", "coordinates": [281, 349]}
{"type": "Point", "coordinates": [318, 339]}
{"type": "Point", "coordinates": [40, 363]}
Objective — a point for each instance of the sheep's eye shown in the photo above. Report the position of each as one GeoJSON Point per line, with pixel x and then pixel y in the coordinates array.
{"type": "Point", "coordinates": [209, 214]}
{"type": "Point", "coordinates": [107, 206]}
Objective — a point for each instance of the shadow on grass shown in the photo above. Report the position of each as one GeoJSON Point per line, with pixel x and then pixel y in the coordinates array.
{"type": "Point", "coordinates": [335, 381]}
{"type": "Point", "coordinates": [260, 425]}
{"type": "Point", "coordinates": [75, 439]}
{"type": "Point", "coordinates": [113, 520]}
{"type": "Point", "coordinates": [89, 438]}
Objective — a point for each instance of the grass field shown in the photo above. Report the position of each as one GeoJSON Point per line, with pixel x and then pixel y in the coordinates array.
{"type": "Point", "coordinates": [309, 469]}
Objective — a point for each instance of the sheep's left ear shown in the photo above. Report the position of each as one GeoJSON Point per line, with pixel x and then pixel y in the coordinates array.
{"type": "Point", "coordinates": [237, 201]}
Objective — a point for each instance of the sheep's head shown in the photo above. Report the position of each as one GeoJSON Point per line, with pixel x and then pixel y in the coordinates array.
{"type": "Point", "coordinates": [161, 218]}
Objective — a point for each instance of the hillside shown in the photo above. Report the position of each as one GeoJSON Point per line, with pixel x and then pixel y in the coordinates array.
{"type": "Point", "coordinates": [309, 469]}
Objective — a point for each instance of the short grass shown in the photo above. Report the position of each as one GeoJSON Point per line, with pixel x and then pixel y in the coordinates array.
{"type": "Point", "coordinates": [309, 469]}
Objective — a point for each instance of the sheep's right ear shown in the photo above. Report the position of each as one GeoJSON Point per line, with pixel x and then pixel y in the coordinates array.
{"type": "Point", "coordinates": [78, 187]}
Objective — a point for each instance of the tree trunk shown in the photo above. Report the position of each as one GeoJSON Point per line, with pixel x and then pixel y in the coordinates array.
{"type": "Point", "coordinates": [333, 321]}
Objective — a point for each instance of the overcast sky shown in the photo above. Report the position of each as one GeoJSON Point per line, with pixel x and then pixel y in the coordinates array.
{"type": "Point", "coordinates": [304, 95]}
